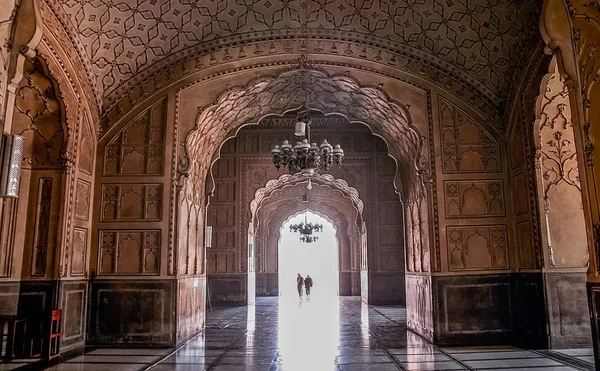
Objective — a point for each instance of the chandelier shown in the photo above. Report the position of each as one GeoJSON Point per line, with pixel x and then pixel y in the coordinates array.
{"type": "Point", "coordinates": [306, 230]}
{"type": "Point", "coordinates": [306, 156]}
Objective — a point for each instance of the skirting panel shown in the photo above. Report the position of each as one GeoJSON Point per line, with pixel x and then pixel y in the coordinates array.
{"type": "Point", "coordinates": [267, 284]}
{"type": "Point", "coordinates": [473, 310]}
{"type": "Point", "coordinates": [74, 300]}
{"type": "Point", "coordinates": [594, 301]}
{"type": "Point", "coordinates": [227, 288]}
{"type": "Point", "coordinates": [568, 310]}
{"type": "Point", "coordinates": [529, 311]}
{"type": "Point", "coordinates": [137, 313]}
{"type": "Point", "coordinates": [386, 288]}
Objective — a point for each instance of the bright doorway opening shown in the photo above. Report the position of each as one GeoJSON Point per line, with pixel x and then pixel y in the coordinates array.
{"type": "Point", "coordinates": [319, 259]}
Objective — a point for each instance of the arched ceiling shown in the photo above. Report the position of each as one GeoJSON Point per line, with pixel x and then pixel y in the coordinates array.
{"type": "Point", "coordinates": [478, 42]}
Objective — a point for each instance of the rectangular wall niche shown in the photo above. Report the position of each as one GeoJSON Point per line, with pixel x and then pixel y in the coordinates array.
{"type": "Point", "coordinates": [474, 198]}
{"type": "Point", "coordinates": [477, 248]}
{"type": "Point", "coordinates": [129, 252]}
{"type": "Point", "coordinates": [131, 202]}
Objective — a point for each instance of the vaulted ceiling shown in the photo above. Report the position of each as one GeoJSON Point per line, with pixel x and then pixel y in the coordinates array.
{"type": "Point", "coordinates": [475, 41]}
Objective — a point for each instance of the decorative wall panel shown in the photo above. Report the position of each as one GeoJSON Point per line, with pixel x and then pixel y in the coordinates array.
{"type": "Point", "coordinates": [487, 304]}
{"type": "Point", "coordinates": [474, 198]}
{"type": "Point", "coordinates": [225, 167]}
{"type": "Point", "coordinates": [74, 307]}
{"type": "Point", "coordinates": [79, 252]}
{"type": "Point", "coordinates": [129, 252]}
{"type": "Point", "coordinates": [477, 248]}
{"type": "Point", "coordinates": [42, 223]}
{"type": "Point", "coordinates": [223, 216]}
{"type": "Point", "coordinates": [74, 303]}
{"type": "Point", "coordinates": [129, 202]}
{"type": "Point", "coordinates": [224, 239]}
{"type": "Point", "coordinates": [37, 117]}
{"type": "Point", "coordinates": [466, 146]}
{"type": "Point", "coordinates": [225, 191]}
{"type": "Point", "coordinates": [82, 200]}
{"type": "Point", "coordinates": [521, 194]}
{"type": "Point", "coordinates": [558, 176]}
{"type": "Point", "coordinates": [525, 243]}
{"type": "Point", "coordinates": [139, 148]}
{"type": "Point", "coordinates": [222, 262]}
{"type": "Point", "coordinates": [86, 150]}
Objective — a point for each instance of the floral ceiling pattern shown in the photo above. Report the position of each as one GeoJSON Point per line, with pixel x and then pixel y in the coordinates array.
{"type": "Point", "coordinates": [476, 41]}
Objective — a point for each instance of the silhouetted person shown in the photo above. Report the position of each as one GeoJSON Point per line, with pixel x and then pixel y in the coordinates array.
{"type": "Point", "coordinates": [308, 284]}
{"type": "Point", "coordinates": [300, 283]}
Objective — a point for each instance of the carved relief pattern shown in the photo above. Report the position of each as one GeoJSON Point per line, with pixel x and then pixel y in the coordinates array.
{"type": "Point", "coordinates": [131, 202]}
{"type": "Point", "coordinates": [129, 252]}
{"type": "Point", "coordinates": [477, 248]}
{"type": "Point", "coordinates": [139, 148]}
{"type": "Point", "coordinates": [78, 253]}
{"type": "Point", "coordinates": [120, 43]}
{"type": "Point", "coordinates": [281, 94]}
{"type": "Point", "coordinates": [556, 137]}
{"type": "Point", "coordinates": [466, 146]}
{"type": "Point", "coordinates": [82, 203]}
{"type": "Point", "coordinates": [558, 176]}
{"type": "Point", "coordinates": [474, 198]}
{"type": "Point", "coordinates": [221, 262]}
{"type": "Point", "coordinates": [5, 35]}
{"type": "Point", "coordinates": [86, 150]}
{"type": "Point", "coordinates": [38, 117]}
{"type": "Point", "coordinates": [42, 224]}
{"type": "Point", "coordinates": [584, 18]}
{"type": "Point", "coordinates": [81, 65]}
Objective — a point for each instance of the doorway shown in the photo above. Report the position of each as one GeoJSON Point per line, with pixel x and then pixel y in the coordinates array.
{"type": "Point", "coordinates": [319, 259]}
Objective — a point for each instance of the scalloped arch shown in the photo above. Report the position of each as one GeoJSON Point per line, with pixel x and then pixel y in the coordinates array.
{"type": "Point", "coordinates": [329, 94]}
{"type": "Point", "coordinates": [290, 180]}
{"type": "Point", "coordinates": [315, 212]}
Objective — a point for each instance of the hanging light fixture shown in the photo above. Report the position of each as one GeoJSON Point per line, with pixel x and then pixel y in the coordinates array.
{"type": "Point", "coordinates": [306, 230]}
{"type": "Point", "coordinates": [306, 156]}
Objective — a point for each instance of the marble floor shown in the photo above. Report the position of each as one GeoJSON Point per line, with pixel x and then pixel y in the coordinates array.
{"type": "Point", "coordinates": [319, 334]}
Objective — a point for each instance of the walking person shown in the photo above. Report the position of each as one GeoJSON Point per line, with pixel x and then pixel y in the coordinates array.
{"type": "Point", "coordinates": [308, 282]}
{"type": "Point", "coordinates": [299, 283]}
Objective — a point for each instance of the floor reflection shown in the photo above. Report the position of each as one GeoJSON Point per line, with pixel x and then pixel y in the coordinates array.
{"type": "Point", "coordinates": [309, 332]}
{"type": "Point", "coordinates": [319, 333]}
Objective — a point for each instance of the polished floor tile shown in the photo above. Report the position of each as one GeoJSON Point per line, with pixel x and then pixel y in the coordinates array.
{"type": "Point", "coordinates": [320, 334]}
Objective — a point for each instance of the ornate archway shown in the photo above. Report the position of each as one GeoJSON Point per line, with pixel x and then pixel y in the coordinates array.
{"type": "Point", "coordinates": [325, 200]}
